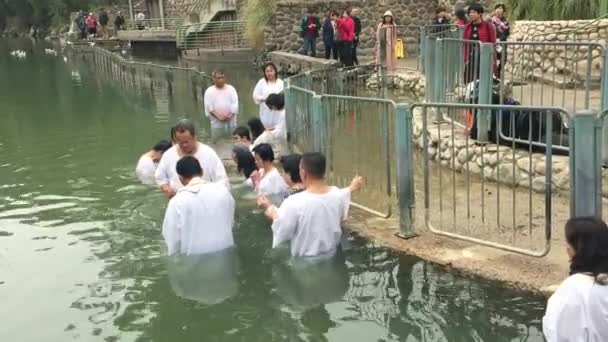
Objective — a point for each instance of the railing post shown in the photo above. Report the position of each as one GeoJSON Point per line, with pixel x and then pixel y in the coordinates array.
{"type": "Point", "coordinates": [438, 78]}
{"type": "Point", "coordinates": [429, 59]}
{"type": "Point", "coordinates": [405, 170]}
{"type": "Point", "coordinates": [317, 124]}
{"type": "Point", "coordinates": [162, 14]}
{"type": "Point", "coordinates": [422, 49]}
{"type": "Point", "coordinates": [486, 73]}
{"type": "Point", "coordinates": [604, 105]}
{"type": "Point", "coordinates": [131, 9]}
{"type": "Point", "coordinates": [585, 166]}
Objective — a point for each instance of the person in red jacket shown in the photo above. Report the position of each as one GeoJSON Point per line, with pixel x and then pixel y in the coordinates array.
{"type": "Point", "coordinates": [480, 30]}
{"type": "Point", "coordinates": [346, 26]}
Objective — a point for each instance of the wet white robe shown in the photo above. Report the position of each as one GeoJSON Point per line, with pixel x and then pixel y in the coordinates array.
{"type": "Point", "coordinates": [272, 186]}
{"type": "Point", "coordinates": [260, 93]}
{"type": "Point", "coordinates": [277, 138]}
{"type": "Point", "coordinates": [213, 168]}
{"type": "Point", "coordinates": [577, 311]}
{"type": "Point", "coordinates": [225, 101]}
{"type": "Point", "coordinates": [145, 170]}
{"type": "Point", "coordinates": [312, 222]}
{"type": "Point", "coordinates": [199, 219]}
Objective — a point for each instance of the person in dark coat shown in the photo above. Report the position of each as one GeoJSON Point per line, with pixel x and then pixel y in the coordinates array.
{"type": "Point", "coordinates": [119, 22]}
{"type": "Point", "coordinates": [329, 35]}
{"type": "Point", "coordinates": [355, 15]}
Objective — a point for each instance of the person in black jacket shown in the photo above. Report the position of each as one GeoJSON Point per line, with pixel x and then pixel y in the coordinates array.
{"type": "Point", "coordinates": [329, 35]}
{"type": "Point", "coordinates": [103, 22]}
{"type": "Point", "coordinates": [355, 15]}
{"type": "Point", "coordinates": [119, 22]}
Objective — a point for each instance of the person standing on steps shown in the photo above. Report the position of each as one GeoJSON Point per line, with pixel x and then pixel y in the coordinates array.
{"type": "Point", "coordinates": [386, 34]}
{"type": "Point", "coordinates": [119, 22]}
{"type": "Point", "coordinates": [104, 19]}
{"type": "Point", "coordinates": [309, 28]}
{"type": "Point", "coordinates": [358, 27]}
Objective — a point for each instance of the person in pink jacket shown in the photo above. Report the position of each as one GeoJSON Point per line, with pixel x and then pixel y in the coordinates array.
{"type": "Point", "coordinates": [346, 27]}
{"type": "Point", "coordinates": [386, 34]}
{"type": "Point", "coordinates": [91, 22]}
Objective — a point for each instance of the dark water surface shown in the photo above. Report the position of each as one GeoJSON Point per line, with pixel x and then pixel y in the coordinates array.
{"type": "Point", "coordinates": [81, 255]}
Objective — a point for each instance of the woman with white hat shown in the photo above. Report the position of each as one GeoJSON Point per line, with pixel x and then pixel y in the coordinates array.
{"type": "Point", "coordinates": [386, 35]}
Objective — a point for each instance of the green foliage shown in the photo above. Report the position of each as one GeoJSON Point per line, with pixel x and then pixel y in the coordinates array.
{"type": "Point", "coordinates": [553, 9]}
{"type": "Point", "coordinates": [257, 13]}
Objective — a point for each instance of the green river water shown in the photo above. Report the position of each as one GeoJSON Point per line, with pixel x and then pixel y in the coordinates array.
{"type": "Point", "coordinates": [82, 258]}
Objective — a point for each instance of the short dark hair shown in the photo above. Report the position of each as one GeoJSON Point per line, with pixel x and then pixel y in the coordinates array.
{"type": "Point", "coordinates": [217, 72]}
{"type": "Point", "coordinates": [256, 127]}
{"type": "Point", "coordinates": [335, 13]}
{"type": "Point", "coordinates": [503, 6]}
{"type": "Point", "coordinates": [314, 164]}
{"type": "Point", "coordinates": [244, 160]}
{"type": "Point", "coordinates": [291, 166]}
{"type": "Point", "coordinates": [189, 167]}
{"type": "Point", "coordinates": [265, 152]}
{"type": "Point", "coordinates": [276, 100]}
{"type": "Point", "coordinates": [476, 7]}
{"type": "Point", "coordinates": [272, 65]}
{"type": "Point", "coordinates": [184, 125]}
{"type": "Point", "coordinates": [242, 132]}
{"type": "Point", "coordinates": [162, 146]}
{"type": "Point", "coordinates": [172, 133]}
{"type": "Point", "coordinates": [461, 14]}
{"type": "Point", "coordinates": [588, 236]}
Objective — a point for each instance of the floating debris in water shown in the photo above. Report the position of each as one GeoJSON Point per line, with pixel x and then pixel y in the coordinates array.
{"type": "Point", "coordinates": [19, 54]}
{"type": "Point", "coordinates": [50, 52]}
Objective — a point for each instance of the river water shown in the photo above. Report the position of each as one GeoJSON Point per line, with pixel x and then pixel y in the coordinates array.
{"type": "Point", "coordinates": [81, 255]}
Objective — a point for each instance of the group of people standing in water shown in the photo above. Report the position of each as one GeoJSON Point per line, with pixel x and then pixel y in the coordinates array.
{"type": "Point", "coordinates": [305, 212]}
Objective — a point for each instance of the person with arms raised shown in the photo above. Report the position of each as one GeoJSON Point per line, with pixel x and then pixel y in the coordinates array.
{"type": "Point", "coordinates": [312, 219]}
{"type": "Point", "coordinates": [200, 217]}
{"type": "Point", "coordinates": [188, 145]}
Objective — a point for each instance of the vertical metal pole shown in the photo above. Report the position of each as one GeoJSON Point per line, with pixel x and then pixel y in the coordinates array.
{"type": "Point", "coordinates": [604, 104]}
{"type": "Point", "coordinates": [422, 49]}
{"type": "Point", "coordinates": [585, 166]}
{"type": "Point", "coordinates": [405, 171]}
{"type": "Point", "coordinates": [317, 124]}
{"type": "Point", "coordinates": [438, 78]}
{"type": "Point", "coordinates": [429, 59]}
{"type": "Point", "coordinates": [340, 84]}
{"type": "Point", "coordinates": [131, 10]}
{"type": "Point", "coordinates": [162, 14]}
{"type": "Point", "coordinates": [486, 71]}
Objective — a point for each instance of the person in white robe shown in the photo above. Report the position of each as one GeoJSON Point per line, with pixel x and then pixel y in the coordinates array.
{"type": "Point", "coordinates": [267, 180]}
{"type": "Point", "coordinates": [311, 221]}
{"type": "Point", "coordinates": [578, 310]}
{"type": "Point", "coordinates": [221, 103]}
{"type": "Point", "coordinates": [200, 217]}
{"type": "Point", "coordinates": [269, 84]}
{"type": "Point", "coordinates": [187, 145]}
{"type": "Point", "coordinates": [275, 132]}
{"type": "Point", "coordinates": [146, 166]}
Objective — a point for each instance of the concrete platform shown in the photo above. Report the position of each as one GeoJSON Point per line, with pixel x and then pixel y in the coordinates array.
{"type": "Point", "coordinates": [148, 35]}
{"type": "Point", "coordinates": [225, 55]}
{"type": "Point", "coordinates": [292, 63]}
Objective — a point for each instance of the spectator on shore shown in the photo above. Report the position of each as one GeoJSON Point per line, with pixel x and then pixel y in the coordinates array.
{"type": "Point", "coordinates": [81, 23]}
{"type": "Point", "coordinates": [140, 18]}
{"type": "Point", "coordinates": [269, 84]}
{"type": "Point", "coordinates": [91, 25]}
{"type": "Point", "coordinates": [578, 310]}
{"type": "Point", "coordinates": [309, 27]}
{"type": "Point", "coordinates": [311, 221]}
{"type": "Point", "coordinates": [221, 106]}
{"type": "Point", "coordinates": [386, 35]}
{"type": "Point", "coordinates": [480, 30]}
{"type": "Point", "coordinates": [104, 19]}
{"type": "Point", "coordinates": [146, 166]}
{"type": "Point", "coordinates": [331, 36]}
{"type": "Point", "coordinates": [441, 21]}
{"type": "Point", "coordinates": [355, 12]}
{"type": "Point", "coordinates": [346, 27]}
{"type": "Point", "coordinates": [245, 163]}
{"type": "Point", "coordinates": [241, 136]}
{"type": "Point", "coordinates": [503, 30]}
{"type": "Point", "coordinates": [461, 17]}
{"type": "Point", "coordinates": [200, 217]}
{"type": "Point", "coordinates": [119, 22]}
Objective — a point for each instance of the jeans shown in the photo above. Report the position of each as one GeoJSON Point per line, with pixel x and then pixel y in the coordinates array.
{"type": "Point", "coordinates": [310, 44]}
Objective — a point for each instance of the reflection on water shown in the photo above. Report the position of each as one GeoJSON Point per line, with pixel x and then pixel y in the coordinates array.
{"type": "Point", "coordinates": [81, 254]}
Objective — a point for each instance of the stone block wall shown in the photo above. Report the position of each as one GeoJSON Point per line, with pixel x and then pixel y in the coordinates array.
{"type": "Point", "coordinates": [560, 60]}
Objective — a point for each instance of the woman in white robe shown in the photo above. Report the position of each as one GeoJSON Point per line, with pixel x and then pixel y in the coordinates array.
{"type": "Point", "coordinates": [267, 181]}
{"type": "Point", "coordinates": [146, 166]}
{"type": "Point", "coordinates": [578, 310]}
{"type": "Point", "coordinates": [269, 84]}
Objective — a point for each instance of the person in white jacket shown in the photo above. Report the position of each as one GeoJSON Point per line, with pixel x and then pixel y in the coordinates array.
{"type": "Point", "coordinates": [200, 217]}
{"type": "Point", "coordinates": [269, 84]}
{"type": "Point", "coordinates": [187, 145]}
{"type": "Point", "coordinates": [578, 310]}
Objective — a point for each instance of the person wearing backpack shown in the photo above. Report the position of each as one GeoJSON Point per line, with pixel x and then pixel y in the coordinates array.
{"type": "Point", "coordinates": [309, 28]}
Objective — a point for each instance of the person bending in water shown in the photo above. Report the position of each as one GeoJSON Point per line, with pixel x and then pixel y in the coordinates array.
{"type": "Point", "coordinates": [245, 163]}
{"type": "Point", "coordinates": [267, 181]}
{"type": "Point", "coordinates": [312, 219]}
{"type": "Point", "coordinates": [187, 145]}
{"type": "Point", "coordinates": [200, 217]}
{"type": "Point", "coordinates": [241, 136]}
{"type": "Point", "coordinates": [146, 166]}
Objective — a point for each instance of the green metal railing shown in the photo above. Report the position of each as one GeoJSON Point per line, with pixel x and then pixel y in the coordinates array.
{"type": "Point", "coordinates": [216, 35]}
{"type": "Point", "coordinates": [156, 24]}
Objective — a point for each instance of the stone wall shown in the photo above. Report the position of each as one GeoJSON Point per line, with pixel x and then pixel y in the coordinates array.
{"type": "Point", "coordinates": [560, 60]}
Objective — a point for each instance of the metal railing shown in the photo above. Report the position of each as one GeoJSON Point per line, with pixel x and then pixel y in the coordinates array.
{"type": "Point", "coordinates": [215, 35]}
{"type": "Point", "coordinates": [156, 24]}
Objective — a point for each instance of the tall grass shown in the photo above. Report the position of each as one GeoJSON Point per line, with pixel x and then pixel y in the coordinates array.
{"type": "Point", "coordinates": [257, 14]}
{"type": "Point", "coordinates": [553, 9]}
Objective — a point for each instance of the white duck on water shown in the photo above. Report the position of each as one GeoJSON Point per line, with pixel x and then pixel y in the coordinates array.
{"type": "Point", "coordinates": [19, 54]}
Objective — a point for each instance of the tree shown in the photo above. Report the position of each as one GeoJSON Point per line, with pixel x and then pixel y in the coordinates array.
{"type": "Point", "coordinates": [553, 9]}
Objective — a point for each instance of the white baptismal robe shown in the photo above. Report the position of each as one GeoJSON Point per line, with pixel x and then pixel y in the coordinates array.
{"type": "Point", "coordinates": [223, 100]}
{"type": "Point", "coordinates": [213, 168]}
{"type": "Point", "coordinates": [199, 219]}
{"type": "Point", "coordinates": [577, 311]}
{"type": "Point", "coordinates": [145, 170]}
{"type": "Point", "coordinates": [272, 185]}
{"type": "Point", "coordinates": [312, 222]}
{"type": "Point", "coordinates": [260, 93]}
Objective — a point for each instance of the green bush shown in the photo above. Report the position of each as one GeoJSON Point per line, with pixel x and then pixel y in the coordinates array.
{"type": "Point", "coordinates": [257, 13]}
